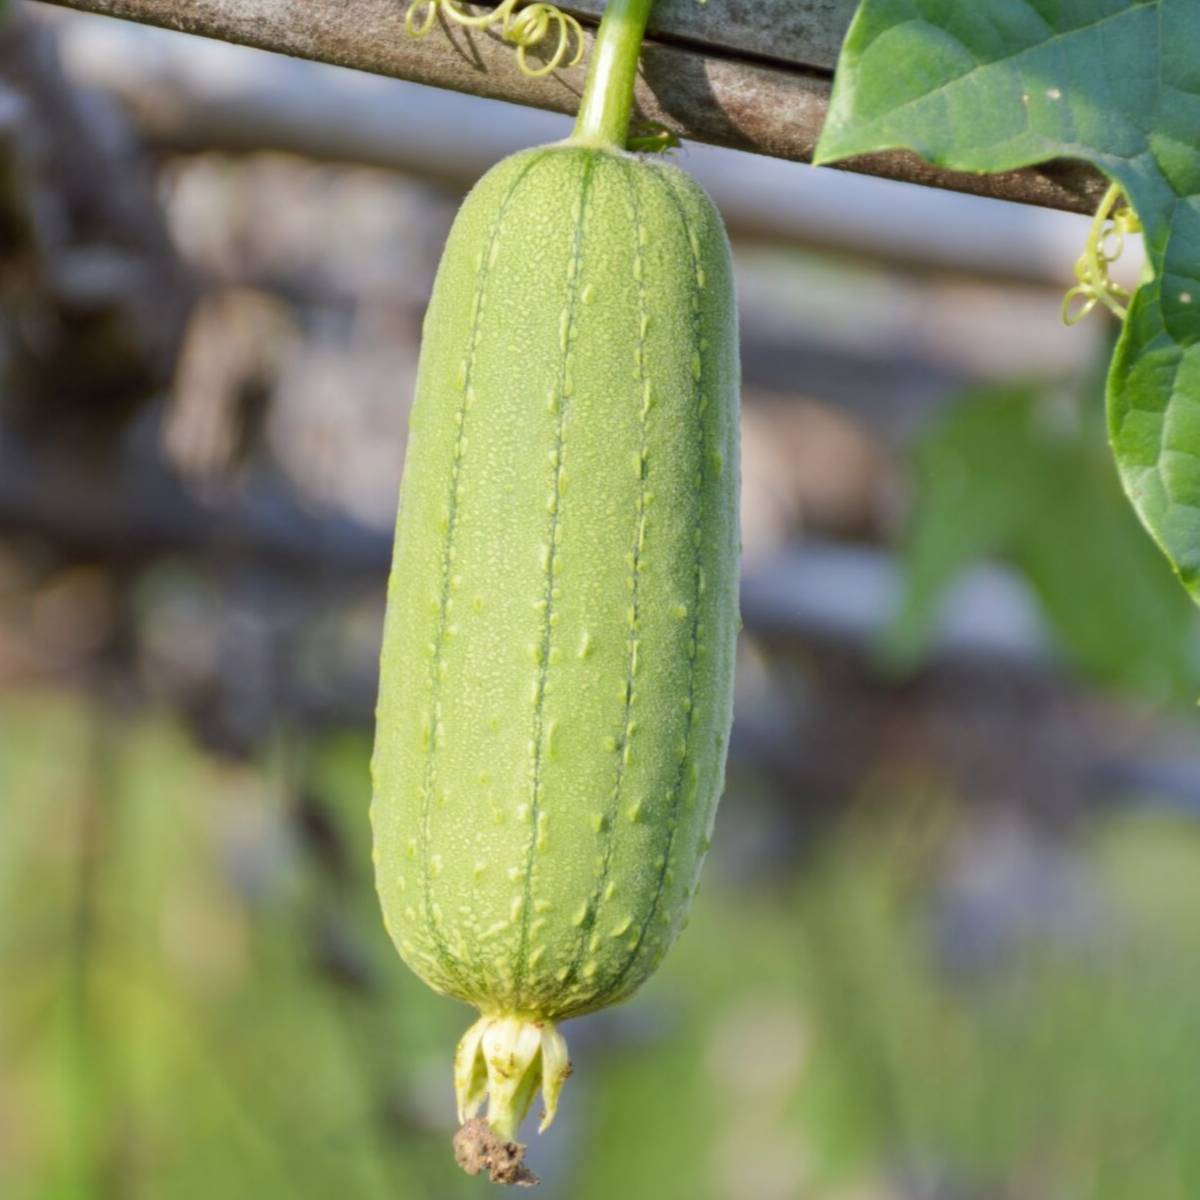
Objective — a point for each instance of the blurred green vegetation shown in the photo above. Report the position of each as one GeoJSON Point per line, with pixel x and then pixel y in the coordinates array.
{"type": "Point", "coordinates": [193, 1004]}
{"type": "Point", "coordinates": [1023, 473]}
{"type": "Point", "coordinates": [198, 1000]}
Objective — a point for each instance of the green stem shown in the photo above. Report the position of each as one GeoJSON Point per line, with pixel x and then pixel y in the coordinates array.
{"type": "Point", "coordinates": [608, 94]}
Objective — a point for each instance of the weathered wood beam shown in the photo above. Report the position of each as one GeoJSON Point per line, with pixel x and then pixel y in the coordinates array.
{"type": "Point", "coordinates": [795, 32]}
{"type": "Point", "coordinates": [738, 76]}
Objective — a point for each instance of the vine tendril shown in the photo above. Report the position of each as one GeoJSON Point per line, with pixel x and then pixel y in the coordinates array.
{"type": "Point", "coordinates": [1106, 240]}
{"type": "Point", "coordinates": [524, 28]}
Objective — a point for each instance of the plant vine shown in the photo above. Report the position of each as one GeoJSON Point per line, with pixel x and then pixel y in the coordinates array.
{"type": "Point", "coordinates": [525, 28]}
{"type": "Point", "coordinates": [1105, 243]}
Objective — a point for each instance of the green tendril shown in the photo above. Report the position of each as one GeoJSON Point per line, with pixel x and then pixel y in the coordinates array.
{"type": "Point", "coordinates": [1106, 241]}
{"type": "Point", "coordinates": [524, 28]}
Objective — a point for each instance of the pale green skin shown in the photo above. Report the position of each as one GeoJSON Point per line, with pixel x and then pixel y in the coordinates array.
{"type": "Point", "coordinates": [557, 670]}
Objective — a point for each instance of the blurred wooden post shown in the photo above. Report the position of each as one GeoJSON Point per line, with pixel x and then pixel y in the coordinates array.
{"type": "Point", "coordinates": [750, 76]}
{"type": "Point", "coordinates": [93, 297]}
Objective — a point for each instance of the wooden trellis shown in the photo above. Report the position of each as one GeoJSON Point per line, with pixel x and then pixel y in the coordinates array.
{"type": "Point", "coordinates": [748, 74]}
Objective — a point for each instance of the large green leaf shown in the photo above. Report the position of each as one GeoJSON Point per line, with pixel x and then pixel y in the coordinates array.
{"type": "Point", "coordinates": [993, 85]}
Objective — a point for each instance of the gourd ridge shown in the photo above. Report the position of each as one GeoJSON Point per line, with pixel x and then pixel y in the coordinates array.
{"type": "Point", "coordinates": [569, 317]}
{"type": "Point", "coordinates": [435, 676]}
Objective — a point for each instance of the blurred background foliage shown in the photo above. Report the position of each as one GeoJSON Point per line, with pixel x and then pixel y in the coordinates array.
{"type": "Point", "coordinates": [199, 999]}
{"type": "Point", "coordinates": [946, 947]}
{"type": "Point", "coordinates": [1023, 474]}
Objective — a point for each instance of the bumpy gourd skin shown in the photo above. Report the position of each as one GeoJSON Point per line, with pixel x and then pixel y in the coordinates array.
{"type": "Point", "coordinates": [557, 669]}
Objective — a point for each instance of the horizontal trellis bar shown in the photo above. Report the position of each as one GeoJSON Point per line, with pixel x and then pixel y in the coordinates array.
{"type": "Point", "coordinates": [748, 74]}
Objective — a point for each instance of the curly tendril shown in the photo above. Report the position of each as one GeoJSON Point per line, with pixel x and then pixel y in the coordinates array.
{"type": "Point", "coordinates": [524, 28]}
{"type": "Point", "coordinates": [1106, 240]}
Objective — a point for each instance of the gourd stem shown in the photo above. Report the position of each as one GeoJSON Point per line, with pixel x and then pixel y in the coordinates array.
{"type": "Point", "coordinates": [608, 93]}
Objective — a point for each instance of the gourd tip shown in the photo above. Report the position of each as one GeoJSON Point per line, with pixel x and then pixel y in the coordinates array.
{"type": "Point", "coordinates": [505, 1059]}
{"type": "Point", "coordinates": [477, 1149]}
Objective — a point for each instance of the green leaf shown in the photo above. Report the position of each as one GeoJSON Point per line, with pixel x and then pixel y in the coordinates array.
{"type": "Point", "coordinates": [995, 85]}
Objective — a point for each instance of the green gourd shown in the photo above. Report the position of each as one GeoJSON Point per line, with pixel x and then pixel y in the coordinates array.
{"type": "Point", "coordinates": [557, 668]}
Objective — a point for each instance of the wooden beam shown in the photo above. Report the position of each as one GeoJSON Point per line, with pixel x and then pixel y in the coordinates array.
{"type": "Point", "coordinates": [740, 75]}
{"type": "Point", "coordinates": [804, 33]}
